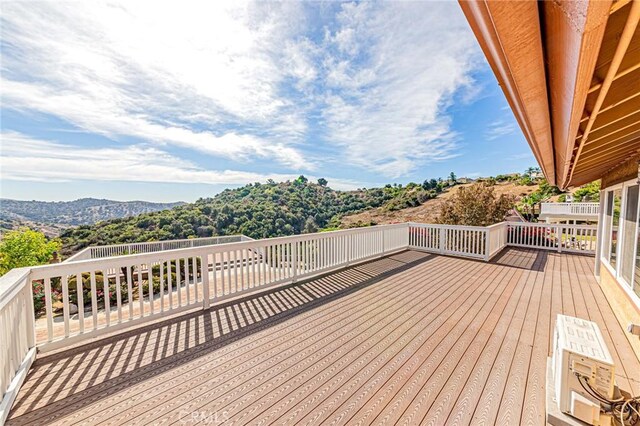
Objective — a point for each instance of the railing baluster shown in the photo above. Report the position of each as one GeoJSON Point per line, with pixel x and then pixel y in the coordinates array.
{"type": "Point", "coordinates": [194, 272]}
{"type": "Point", "coordinates": [107, 302]}
{"type": "Point", "coordinates": [140, 290]}
{"type": "Point", "coordinates": [94, 300]}
{"type": "Point", "coordinates": [130, 291]}
{"type": "Point", "coordinates": [161, 281]}
{"type": "Point", "coordinates": [48, 308]}
{"type": "Point", "coordinates": [65, 303]}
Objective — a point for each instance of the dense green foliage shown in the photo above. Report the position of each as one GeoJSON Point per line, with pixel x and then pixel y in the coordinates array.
{"type": "Point", "coordinates": [256, 210]}
{"type": "Point", "coordinates": [25, 247]}
{"type": "Point", "coordinates": [79, 212]}
{"type": "Point", "coordinates": [589, 192]}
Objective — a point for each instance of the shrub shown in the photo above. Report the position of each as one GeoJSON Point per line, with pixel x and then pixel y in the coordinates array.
{"type": "Point", "coordinates": [476, 205]}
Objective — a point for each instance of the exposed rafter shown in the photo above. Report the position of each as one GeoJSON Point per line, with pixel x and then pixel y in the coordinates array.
{"type": "Point", "coordinates": [625, 39]}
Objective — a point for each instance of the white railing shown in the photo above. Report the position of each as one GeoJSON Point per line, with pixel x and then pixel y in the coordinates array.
{"type": "Point", "coordinates": [97, 252]}
{"type": "Point", "coordinates": [99, 296]}
{"type": "Point", "coordinates": [104, 294]}
{"type": "Point", "coordinates": [467, 241]}
{"type": "Point", "coordinates": [577, 209]}
{"type": "Point", "coordinates": [570, 238]}
{"type": "Point", "coordinates": [17, 335]}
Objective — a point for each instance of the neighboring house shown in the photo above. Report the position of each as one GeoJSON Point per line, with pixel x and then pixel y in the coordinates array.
{"type": "Point", "coordinates": [569, 212]}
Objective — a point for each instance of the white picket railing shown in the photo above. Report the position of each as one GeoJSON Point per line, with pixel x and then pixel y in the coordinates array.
{"type": "Point", "coordinates": [111, 292]}
{"type": "Point", "coordinates": [17, 335]}
{"type": "Point", "coordinates": [467, 241]}
{"type": "Point", "coordinates": [578, 209]}
{"type": "Point", "coordinates": [97, 252]}
{"type": "Point", "coordinates": [570, 238]}
{"type": "Point", "coordinates": [99, 296]}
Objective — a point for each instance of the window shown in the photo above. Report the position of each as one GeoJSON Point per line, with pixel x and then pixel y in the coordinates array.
{"type": "Point", "coordinates": [629, 229]}
{"type": "Point", "coordinates": [615, 225]}
{"type": "Point", "coordinates": [606, 226]}
{"type": "Point", "coordinates": [636, 272]}
{"type": "Point", "coordinates": [620, 242]}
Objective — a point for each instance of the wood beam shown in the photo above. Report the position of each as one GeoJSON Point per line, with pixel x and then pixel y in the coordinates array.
{"type": "Point", "coordinates": [612, 151]}
{"type": "Point", "coordinates": [509, 34]}
{"type": "Point", "coordinates": [573, 34]}
{"type": "Point", "coordinates": [621, 49]}
{"type": "Point", "coordinates": [588, 176]}
{"type": "Point", "coordinates": [619, 145]}
{"type": "Point", "coordinates": [622, 73]}
{"type": "Point", "coordinates": [616, 104]}
{"type": "Point", "coordinates": [596, 171]}
{"type": "Point", "coordinates": [608, 121]}
{"type": "Point", "coordinates": [612, 136]}
{"type": "Point", "coordinates": [619, 5]}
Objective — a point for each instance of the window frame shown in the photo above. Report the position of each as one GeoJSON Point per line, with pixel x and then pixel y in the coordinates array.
{"type": "Point", "coordinates": [607, 228]}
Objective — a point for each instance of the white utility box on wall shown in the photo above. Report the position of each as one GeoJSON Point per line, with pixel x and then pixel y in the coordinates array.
{"type": "Point", "coordinates": [581, 365]}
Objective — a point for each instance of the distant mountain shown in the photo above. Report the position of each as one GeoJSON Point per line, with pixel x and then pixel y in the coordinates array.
{"type": "Point", "coordinates": [85, 211]}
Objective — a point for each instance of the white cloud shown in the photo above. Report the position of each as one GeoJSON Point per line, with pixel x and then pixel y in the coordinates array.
{"type": "Point", "coordinates": [500, 128]}
{"type": "Point", "coordinates": [27, 159]}
{"type": "Point", "coordinates": [248, 81]}
{"type": "Point", "coordinates": [161, 71]}
{"type": "Point", "coordinates": [394, 70]}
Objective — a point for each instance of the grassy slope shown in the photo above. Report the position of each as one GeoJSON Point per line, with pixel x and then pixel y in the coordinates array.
{"type": "Point", "coordinates": [428, 211]}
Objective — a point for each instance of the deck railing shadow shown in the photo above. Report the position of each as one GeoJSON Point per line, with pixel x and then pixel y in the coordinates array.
{"type": "Point", "coordinates": [521, 258]}
{"type": "Point", "coordinates": [66, 381]}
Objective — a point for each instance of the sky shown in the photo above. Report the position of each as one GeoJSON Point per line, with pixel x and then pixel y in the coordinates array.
{"type": "Point", "coordinates": [177, 100]}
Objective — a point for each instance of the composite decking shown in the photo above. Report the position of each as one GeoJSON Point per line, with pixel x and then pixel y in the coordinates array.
{"type": "Point", "coordinates": [410, 338]}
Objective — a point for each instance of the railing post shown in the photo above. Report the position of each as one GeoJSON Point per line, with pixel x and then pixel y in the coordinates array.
{"type": "Point", "coordinates": [31, 316]}
{"type": "Point", "coordinates": [384, 249]}
{"type": "Point", "coordinates": [442, 237]}
{"type": "Point", "coordinates": [204, 270]}
{"type": "Point", "coordinates": [349, 248]}
{"type": "Point", "coordinates": [294, 261]}
{"type": "Point", "coordinates": [487, 244]}
{"type": "Point", "coordinates": [559, 237]}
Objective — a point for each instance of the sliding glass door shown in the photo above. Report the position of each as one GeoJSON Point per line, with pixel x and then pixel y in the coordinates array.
{"type": "Point", "coordinates": [621, 236]}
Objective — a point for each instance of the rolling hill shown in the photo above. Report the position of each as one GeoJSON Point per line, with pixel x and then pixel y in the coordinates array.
{"type": "Point", "coordinates": [85, 211]}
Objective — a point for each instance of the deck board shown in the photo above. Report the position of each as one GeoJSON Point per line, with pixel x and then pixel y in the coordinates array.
{"type": "Point", "coordinates": [411, 338]}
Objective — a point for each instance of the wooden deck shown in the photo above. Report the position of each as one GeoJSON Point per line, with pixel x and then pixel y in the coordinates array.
{"type": "Point", "coordinates": [411, 338]}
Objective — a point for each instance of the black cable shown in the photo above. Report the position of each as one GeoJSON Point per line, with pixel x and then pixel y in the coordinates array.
{"type": "Point", "coordinates": [625, 409]}
{"type": "Point", "coordinates": [592, 393]}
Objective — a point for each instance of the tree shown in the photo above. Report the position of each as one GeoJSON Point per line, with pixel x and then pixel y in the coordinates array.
{"type": "Point", "coordinates": [301, 180]}
{"type": "Point", "coordinates": [476, 205]}
{"type": "Point", "coordinates": [453, 178]}
{"type": "Point", "coordinates": [588, 192]}
{"type": "Point", "coordinates": [25, 247]}
{"type": "Point", "coordinates": [310, 226]}
{"type": "Point", "coordinates": [531, 171]}
{"type": "Point", "coordinates": [322, 182]}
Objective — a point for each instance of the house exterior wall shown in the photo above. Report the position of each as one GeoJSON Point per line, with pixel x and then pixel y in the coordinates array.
{"type": "Point", "coordinates": [626, 311]}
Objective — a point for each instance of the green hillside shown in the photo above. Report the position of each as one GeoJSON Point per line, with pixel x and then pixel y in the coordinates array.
{"type": "Point", "coordinates": [84, 211]}
{"type": "Point", "coordinates": [256, 210]}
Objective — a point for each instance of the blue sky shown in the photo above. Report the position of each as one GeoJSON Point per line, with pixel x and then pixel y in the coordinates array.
{"type": "Point", "coordinates": [167, 101]}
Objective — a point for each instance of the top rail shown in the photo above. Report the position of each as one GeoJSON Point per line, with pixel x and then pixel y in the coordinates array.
{"type": "Point", "coordinates": [97, 252]}
{"type": "Point", "coordinates": [584, 209]}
